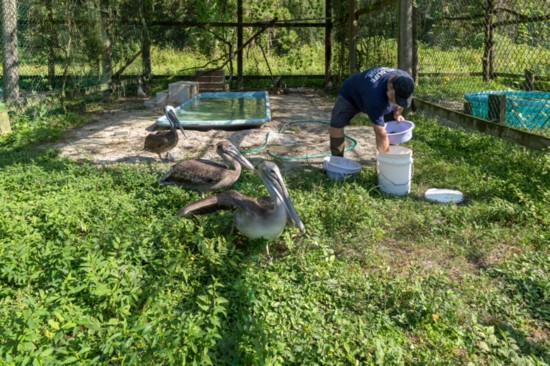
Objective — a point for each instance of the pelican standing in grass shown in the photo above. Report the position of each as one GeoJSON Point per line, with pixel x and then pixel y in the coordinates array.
{"type": "Point", "coordinates": [203, 175]}
{"type": "Point", "coordinates": [164, 141]}
{"type": "Point", "coordinates": [255, 218]}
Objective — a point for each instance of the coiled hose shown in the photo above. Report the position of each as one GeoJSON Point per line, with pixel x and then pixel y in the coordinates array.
{"type": "Point", "coordinates": [251, 151]}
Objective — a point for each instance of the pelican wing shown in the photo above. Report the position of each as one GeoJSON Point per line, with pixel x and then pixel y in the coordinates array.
{"type": "Point", "coordinates": [229, 200]}
{"type": "Point", "coordinates": [157, 140]}
{"type": "Point", "coordinates": [213, 163]}
{"type": "Point", "coordinates": [189, 173]}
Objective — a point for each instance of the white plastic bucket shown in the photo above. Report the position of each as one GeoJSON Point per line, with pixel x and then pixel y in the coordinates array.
{"type": "Point", "coordinates": [395, 170]}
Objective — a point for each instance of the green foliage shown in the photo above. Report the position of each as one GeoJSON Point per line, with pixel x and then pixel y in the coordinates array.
{"type": "Point", "coordinates": [305, 60]}
{"type": "Point", "coordinates": [443, 89]}
{"type": "Point", "coordinates": [96, 269]}
{"type": "Point", "coordinates": [527, 280]}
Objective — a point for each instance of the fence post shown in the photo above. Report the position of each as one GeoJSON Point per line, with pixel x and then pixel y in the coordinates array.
{"type": "Point", "coordinates": [529, 80]}
{"type": "Point", "coordinates": [468, 108]}
{"type": "Point", "coordinates": [405, 45]}
{"type": "Point", "coordinates": [11, 57]}
{"type": "Point", "coordinates": [496, 104]}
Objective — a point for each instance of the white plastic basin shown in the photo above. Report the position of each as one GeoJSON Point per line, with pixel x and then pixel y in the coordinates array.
{"type": "Point", "coordinates": [339, 168]}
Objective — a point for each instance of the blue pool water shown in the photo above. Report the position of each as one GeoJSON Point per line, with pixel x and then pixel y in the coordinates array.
{"type": "Point", "coordinates": [523, 108]}
{"type": "Point", "coordinates": [223, 110]}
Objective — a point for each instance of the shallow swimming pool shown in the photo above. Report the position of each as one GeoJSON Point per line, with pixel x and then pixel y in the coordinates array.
{"type": "Point", "coordinates": [223, 110]}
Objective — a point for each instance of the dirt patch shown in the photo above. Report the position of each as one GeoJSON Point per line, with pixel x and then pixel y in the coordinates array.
{"type": "Point", "coordinates": [297, 134]}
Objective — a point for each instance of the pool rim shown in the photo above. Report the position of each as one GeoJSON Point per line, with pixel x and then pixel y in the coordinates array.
{"type": "Point", "coordinates": [223, 124]}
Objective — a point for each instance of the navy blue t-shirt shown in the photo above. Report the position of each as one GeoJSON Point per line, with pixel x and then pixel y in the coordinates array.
{"type": "Point", "coordinates": [366, 91]}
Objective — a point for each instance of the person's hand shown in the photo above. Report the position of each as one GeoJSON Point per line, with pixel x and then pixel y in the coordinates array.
{"type": "Point", "coordinates": [397, 114]}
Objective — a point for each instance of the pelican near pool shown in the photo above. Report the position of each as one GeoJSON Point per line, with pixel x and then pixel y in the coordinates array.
{"type": "Point", "coordinates": [223, 110]}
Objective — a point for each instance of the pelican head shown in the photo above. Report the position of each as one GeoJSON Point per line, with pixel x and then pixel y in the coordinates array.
{"type": "Point", "coordinates": [170, 113]}
{"type": "Point", "coordinates": [273, 181]}
{"type": "Point", "coordinates": [232, 155]}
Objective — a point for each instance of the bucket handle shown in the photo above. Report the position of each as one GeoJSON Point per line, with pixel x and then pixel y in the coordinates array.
{"type": "Point", "coordinates": [392, 182]}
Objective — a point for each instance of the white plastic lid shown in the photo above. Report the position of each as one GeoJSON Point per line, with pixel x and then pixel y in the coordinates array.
{"type": "Point", "coordinates": [443, 195]}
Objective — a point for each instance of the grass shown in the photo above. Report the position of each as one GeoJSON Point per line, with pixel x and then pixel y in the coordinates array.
{"type": "Point", "coordinates": [96, 269]}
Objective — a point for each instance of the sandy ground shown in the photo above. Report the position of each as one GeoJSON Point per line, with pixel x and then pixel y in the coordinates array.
{"type": "Point", "coordinates": [117, 135]}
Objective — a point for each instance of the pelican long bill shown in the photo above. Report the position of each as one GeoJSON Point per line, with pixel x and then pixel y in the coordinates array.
{"type": "Point", "coordinates": [172, 117]}
{"type": "Point", "coordinates": [270, 174]}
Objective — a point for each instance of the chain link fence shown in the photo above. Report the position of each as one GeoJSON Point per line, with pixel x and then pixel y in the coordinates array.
{"type": "Point", "coordinates": [488, 58]}
{"type": "Point", "coordinates": [62, 47]}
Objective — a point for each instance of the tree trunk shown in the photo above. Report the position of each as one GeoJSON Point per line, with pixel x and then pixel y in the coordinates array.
{"type": "Point", "coordinates": [52, 41]}
{"type": "Point", "coordinates": [106, 42]}
{"type": "Point", "coordinates": [352, 37]}
{"type": "Point", "coordinates": [416, 22]}
{"type": "Point", "coordinates": [488, 62]}
{"type": "Point", "coordinates": [9, 39]}
{"type": "Point", "coordinates": [405, 51]}
{"type": "Point", "coordinates": [239, 44]}
{"type": "Point", "coordinates": [146, 45]}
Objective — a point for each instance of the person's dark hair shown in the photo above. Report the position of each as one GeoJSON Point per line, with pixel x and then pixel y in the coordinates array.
{"type": "Point", "coordinates": [404, 88]}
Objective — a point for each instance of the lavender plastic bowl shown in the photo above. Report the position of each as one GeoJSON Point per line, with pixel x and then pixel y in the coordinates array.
{"type": "Point", "coordinates": [399, 132]}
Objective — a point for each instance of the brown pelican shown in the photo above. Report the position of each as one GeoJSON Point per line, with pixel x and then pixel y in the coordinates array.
{"type": "Point", "coordinates": [264, 217]}
{"type": "Point", "coordinates": [203, 175]}
{"type": "Point", "coordinates": [164, 141]}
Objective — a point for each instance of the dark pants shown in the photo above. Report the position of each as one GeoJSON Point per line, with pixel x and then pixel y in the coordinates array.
{"type": "Point", "coordinates": [342, 113]}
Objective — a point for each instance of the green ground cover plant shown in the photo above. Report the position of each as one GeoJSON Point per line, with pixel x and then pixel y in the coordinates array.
{"type": "Point", "coordinates": [95, 268]}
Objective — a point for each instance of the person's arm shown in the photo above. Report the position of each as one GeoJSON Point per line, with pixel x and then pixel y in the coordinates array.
{"type": "Point", "coordinates": [382, 141]}
{"type": "Point", "coordinates": [397, 114]}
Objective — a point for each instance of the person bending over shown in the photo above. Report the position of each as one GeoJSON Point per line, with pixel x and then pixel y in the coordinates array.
{"type": "Point", "coordinates": [381, 93]}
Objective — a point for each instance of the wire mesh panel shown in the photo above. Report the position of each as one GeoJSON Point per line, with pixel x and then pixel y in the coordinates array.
{"type": "Point", "coordinates": [70, 45]}
{"type": "Point", "coordinates": [290, 46]}
{"type": "Point", "coordinates": [67, 45]}
{"type": "Point", "coordinates": [377, 41]}
{"type": "Point", "coordinates": [374, 31]}
{"type": "Point", "coordinates": [489, 58]}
